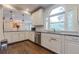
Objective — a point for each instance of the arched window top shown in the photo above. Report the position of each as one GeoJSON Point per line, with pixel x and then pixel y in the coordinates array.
{"type": "Point", "coordinates": [57, 10]}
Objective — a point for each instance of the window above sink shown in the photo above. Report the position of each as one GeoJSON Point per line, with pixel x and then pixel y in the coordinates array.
{"type": "Point", "coordinates": [62, 18]}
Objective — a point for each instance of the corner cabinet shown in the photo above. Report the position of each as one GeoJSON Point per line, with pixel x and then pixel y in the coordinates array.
{"type": "Point", "coordinates": [31, 36]}
{"type": "Point", "coordinates": [53, 42]}
{"type": "Point", "coordinates": [37, 18]}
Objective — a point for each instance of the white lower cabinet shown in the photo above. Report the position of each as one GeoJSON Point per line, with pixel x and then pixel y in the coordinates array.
{"type": "Point", "coordinates": [18, 36]}
{"type": "Point", "coordinates": [21, 36]}
{"type": "Point", "coordinates": [45, 40]}
{"type": "Point", "coordinates": [26, 34]}
{"type": "Point", "coordinates": [9, 37]}
{"type": "Point", "coordinates": [56, 42]}
{"type": "Point", "coordinates": [31, 36]}
{"type": "Point", "coordinates": [71, 45]}
{"type": "Point", "coordinates": [60, 43]}
{"type": "Point", "coordinates": [12, 37]}
{"type": "Point", "coordinates": [52, 42]}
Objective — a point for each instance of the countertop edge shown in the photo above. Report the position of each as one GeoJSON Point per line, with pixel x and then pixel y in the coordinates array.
{"type": "Point", "coordinates": [57, 33]}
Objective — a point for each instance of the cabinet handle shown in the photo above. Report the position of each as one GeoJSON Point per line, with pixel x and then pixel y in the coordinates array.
{"type": "Point", "coordinates": [53, 39]}
{"type": "Point", "coordinates": [76, 39]}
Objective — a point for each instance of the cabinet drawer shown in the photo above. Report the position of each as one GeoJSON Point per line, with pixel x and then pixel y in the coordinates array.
{"type": "Point", "coordinates": [71, 38]}
{"type": "Point", "coordinates": [53, 42]}
{"type": "Point", "coordinates": [71, 47]}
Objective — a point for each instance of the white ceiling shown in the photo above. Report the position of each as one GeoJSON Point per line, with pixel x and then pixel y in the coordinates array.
{"type": "Point", "coordinates": [31, 7]}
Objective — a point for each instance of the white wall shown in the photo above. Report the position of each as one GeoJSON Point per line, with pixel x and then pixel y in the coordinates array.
{"type": "Point", "coordinates": [1, 24]}
{"type": "Point", "coordinates": [12, 36]}
{"type": "Point", "coordinates": [16, 15]}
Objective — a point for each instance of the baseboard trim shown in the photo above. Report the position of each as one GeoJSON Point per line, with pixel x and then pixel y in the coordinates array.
{"type": "Point", "coordinates": [18, 42]}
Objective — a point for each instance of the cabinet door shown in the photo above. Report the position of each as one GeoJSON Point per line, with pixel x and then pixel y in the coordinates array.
{"type": "Point", "coordinates": [26, 35]}
{"type": "Point", "coordinates": [53, 42]}
{"type": "Point", "coordinates": [45, 40]}
{"type": "Point", "coordinates": [31, 36]}
{"type": "Point", "coordinates": [15, 36]}
{"type": "Point", "coordinates": [56, 44]}
{"type": "Point", "coordinates": [12, 37]}
{"type": "Point", "coordinates": [37, 17]}
{"type": "Point", "coordinates": [71, 45]}
{"type": "Point", "coordinates": [21, 36]}
{"type": "Point", "coordinates": [8, 36]}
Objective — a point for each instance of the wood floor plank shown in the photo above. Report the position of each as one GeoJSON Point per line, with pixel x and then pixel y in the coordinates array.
{"type": "Point", "coordinates": [25, 47]}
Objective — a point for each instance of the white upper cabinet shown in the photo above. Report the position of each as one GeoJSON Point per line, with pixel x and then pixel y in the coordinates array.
{"type": "Point", "coordinates": [37, 17]}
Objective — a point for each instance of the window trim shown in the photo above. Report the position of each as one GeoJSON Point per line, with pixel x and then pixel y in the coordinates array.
{"type": "Point", "coordinates": [56, 14]}
{"type": "Point", "coordinates": [49, 11]}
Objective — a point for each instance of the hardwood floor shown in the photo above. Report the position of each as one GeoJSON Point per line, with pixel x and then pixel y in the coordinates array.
{"type": "Point", "coordinates": [25, 47]}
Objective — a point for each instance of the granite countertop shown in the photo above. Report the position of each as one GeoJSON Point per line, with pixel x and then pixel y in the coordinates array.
{"type": "Point", "coordinates": [76, 34]}
{"type": "Point", "coordinates": [20, 31]}
{"type": "Point", "coordinates": [61, 33]}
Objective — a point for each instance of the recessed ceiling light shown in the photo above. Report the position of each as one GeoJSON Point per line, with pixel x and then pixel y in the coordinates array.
{"type": "Point", "coordinates": [8, 6]}
{"type": "Point", "coordinates": [26, 12]}
{"type": "Point", "coordinates": [27, 9]}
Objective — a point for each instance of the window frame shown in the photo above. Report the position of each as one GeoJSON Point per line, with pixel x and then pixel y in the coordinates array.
{"type": "Point", "coordinates": [73, 8]}
{"type": "Point", "coordinates": [54, 15]}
